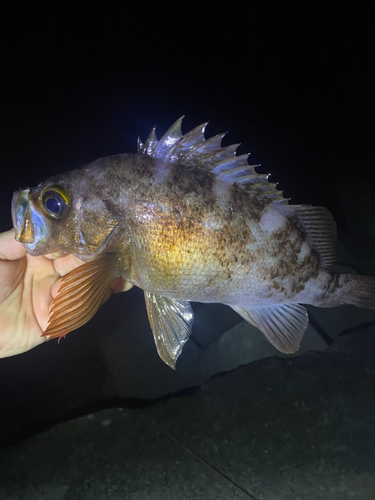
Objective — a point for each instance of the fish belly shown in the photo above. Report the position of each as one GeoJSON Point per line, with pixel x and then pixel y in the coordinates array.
{"type": "Point", "coordinates": [220, 255]}
{"type": "Point", "coordinates": [251, 275]}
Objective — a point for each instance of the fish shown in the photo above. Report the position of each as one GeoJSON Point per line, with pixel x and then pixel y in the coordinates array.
{"type": "Point", "coordinates": [186, 219]}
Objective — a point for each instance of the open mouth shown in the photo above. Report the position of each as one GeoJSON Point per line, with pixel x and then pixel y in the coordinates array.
{"type": "Point", "coordinates": [30, 226]}
{"type": "Point", "coordinates": [21, 217]}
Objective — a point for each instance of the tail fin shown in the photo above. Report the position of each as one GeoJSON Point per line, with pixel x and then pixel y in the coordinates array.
{"type": "Point", "coordinates": [355, 290]}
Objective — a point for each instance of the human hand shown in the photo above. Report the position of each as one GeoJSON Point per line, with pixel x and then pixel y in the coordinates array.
{"type": "Point", "coordinates": [27, 287]}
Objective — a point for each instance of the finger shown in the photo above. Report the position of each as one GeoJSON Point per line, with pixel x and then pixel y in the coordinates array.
{"type": "Point", "coordinates": [11, 273]}
{"type": "Point", "coordinates": [107, 296]}
{"type": "Point", "coordinates": [10, 249]}
{"type": "Point", "coordinates": [120, 285]}
{"type": "Point", "coordinates": [56, 287]}
{"type": "Point", "coordinates": [56, 255]}
{"type": "Point", "coordinates": [63, 265]}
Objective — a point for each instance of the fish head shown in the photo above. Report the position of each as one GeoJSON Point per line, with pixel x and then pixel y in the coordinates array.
{"type": "Point", "coordinates": [64, 213]}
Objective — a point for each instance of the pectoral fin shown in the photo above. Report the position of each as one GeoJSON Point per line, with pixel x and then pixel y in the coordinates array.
{"type": "Point", "coordinates": [282, 324]}
{"type": "Point", "coordinates": [81, 294]}
{"type": "Point", "coordinates": [171, 321]}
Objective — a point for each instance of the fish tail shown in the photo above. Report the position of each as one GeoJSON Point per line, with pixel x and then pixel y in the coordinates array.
{"type": "Point", "coordinates": [350, 289]}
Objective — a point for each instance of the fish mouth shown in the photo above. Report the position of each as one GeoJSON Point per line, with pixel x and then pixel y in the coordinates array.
{"type": "Point", "coordinates": [30, 226]}
{"type": "Point", "coordinates": [21, 217]}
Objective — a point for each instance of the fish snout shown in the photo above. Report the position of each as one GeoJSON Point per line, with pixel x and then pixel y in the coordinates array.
{"type": "Point", "coordinates": [21, 217]}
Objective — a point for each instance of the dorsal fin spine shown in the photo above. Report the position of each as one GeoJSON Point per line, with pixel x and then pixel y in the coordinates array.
{"type": "Point", "coordinates": [193, 149]}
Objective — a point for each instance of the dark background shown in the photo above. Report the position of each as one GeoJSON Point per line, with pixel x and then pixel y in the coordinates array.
{"type": "Point", "coordinates": [292, 81]}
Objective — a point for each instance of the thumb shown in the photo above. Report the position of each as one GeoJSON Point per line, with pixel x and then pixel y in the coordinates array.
{"type": "Point", "coordinates": [10, 249]}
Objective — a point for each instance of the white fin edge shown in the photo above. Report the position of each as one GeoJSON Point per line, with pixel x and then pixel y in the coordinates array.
{"type": "Point", "coordinates": [171, 321]}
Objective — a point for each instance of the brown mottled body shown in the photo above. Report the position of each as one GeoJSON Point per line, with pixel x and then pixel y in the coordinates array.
{"type": "Point", "coordinates": [186, 235]}
{"type": "Point", "coordinates": [181, 232]}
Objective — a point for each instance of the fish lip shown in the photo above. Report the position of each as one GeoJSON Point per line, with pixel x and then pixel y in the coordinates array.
{"type": "Point", "coordinates": [15, 198]}
{"type": "Point", "coordinates": [21, 217]}
{"type": "Point", "coordinates": [34, 252]}
{"type": "Point", "coordinates": [31, 228]}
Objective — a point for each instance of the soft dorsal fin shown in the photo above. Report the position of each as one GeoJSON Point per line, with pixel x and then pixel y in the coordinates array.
{"type": "Point", "coordinates": [193, 149]}
{"type": "Point", "coordinates": [319, 226]}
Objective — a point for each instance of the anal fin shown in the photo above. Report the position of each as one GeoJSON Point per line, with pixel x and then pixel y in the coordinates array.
{"type": "Point", "coordinates": [81, 294]}
{"type": "Point", "coordinates": [171, 321]}
{"type": "Point", "coordinates": [282, 324]}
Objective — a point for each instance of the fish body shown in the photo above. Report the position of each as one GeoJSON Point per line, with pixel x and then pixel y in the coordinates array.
{"type": "Point", "coordinates": [186, 220]}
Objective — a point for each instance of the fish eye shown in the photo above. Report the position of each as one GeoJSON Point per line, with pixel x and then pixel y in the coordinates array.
{"type": "Point", "coordinates": [54, 201]}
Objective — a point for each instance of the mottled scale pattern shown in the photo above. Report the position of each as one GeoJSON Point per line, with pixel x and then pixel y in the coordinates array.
{"type": "Point", "coordinates": [196, 237]}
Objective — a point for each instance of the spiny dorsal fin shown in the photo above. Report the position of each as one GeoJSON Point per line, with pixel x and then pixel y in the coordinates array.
{"type": "Point", "coordinates": [193, 149]}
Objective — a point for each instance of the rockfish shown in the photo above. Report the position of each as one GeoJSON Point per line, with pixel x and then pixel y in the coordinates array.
{"type": "Point", "coordinates": [186, 220]}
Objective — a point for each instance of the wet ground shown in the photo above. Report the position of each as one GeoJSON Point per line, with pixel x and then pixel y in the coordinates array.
{"type": "Point", "coordinates": [275, 429]}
